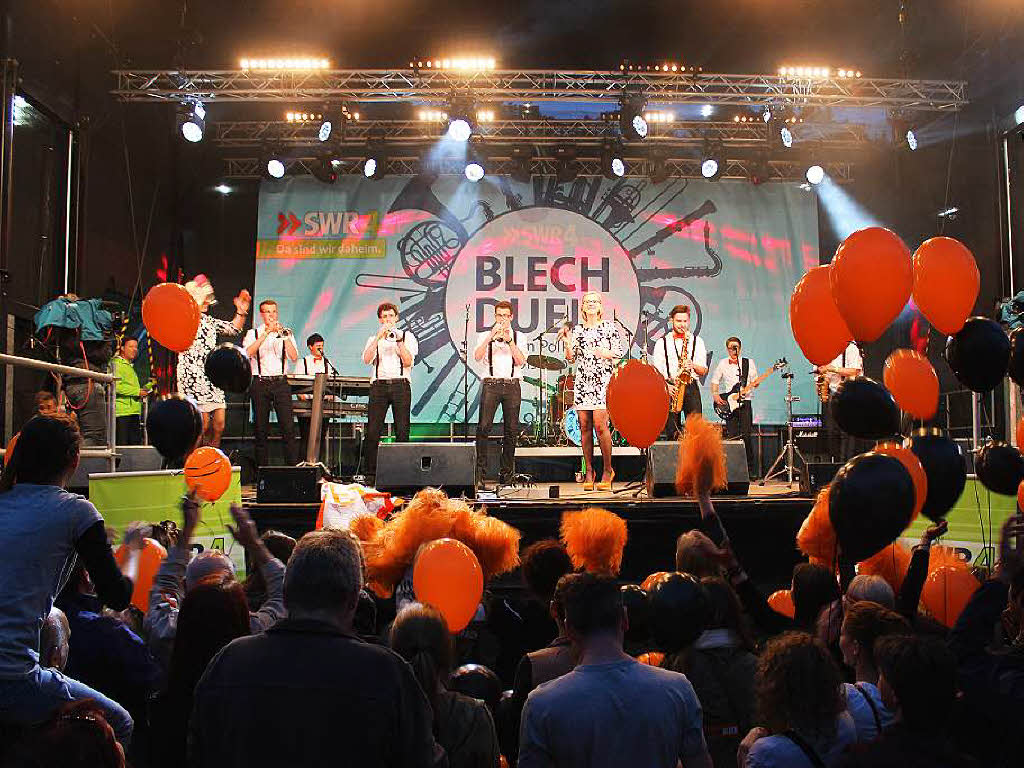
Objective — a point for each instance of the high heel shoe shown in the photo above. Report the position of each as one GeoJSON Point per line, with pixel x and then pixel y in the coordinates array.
{"type": "Point", "coordinates": [603, 486]}
{"type": "Point", "coordinates": [588, 485]}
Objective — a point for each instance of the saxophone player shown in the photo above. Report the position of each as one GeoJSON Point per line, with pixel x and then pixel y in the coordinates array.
{"type": "Point", "coordinates": [681, 357]}
{"type": "Point", "coordinates": [846, 365]}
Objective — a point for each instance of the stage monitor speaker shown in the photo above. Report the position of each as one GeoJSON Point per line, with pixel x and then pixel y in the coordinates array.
{"type": "Point", "coordinates": [817, 475]}
{"type": "Point", "coordinates": [661, 468]}
{"type": "Point", "coordinates": [408, 467]}
{"type": "Point", "coordinates": [133, 458]}
{"type": "Point", "coordinates": [288, 485]}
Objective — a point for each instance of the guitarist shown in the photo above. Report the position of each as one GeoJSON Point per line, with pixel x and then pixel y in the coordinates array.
{"type": "Point", "coordinates": [680, 342]}
{"type": "Point", "coordinates": [732, 371]}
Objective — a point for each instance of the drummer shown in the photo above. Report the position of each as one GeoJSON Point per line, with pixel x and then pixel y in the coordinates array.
{"type": "Point", "coordinates": [499, 350]}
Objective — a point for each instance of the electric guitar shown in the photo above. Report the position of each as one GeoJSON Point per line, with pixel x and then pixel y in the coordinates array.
{"type": "Point", "coordinates": [735, 397]}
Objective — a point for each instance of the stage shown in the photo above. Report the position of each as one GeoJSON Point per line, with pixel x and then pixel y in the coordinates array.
{"type": "Point", "coordinates": [762, 525]}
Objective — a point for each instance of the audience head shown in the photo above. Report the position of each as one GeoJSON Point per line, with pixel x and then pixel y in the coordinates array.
{"type": "Point", "coordinates": [478, 682]}
{"type": "Point", "coordinates": [209, 562]}
{"type": "Point", "coordinates": [917, 679]}
{"type": "Point", "coordinates": [870, 587]}
{"type": "Point", "coordinates": [45, 402]}
{"type": "Point", "coordinates": [638, 616]}
{"type": "Point", "coordinates": [726, 612]}
{"type": "Point", "coordinates": [1015, 605]}
{"type": "Point", "coordinates": [864, 622]}
{"type": "Point", "coordinates": [54, 638]}
{"type": "Point", "coordinates": [46, 452]}
{"type": "Point", "coordinates": [420, 635]}
{"type": "Point", "coordinates": [76, 736]}
{"type": "Point", "coordinates": [593, 606]}
{"type": "Point", "coordinates": [213, 613]}
{"type": "Point", "coordinates": [798, 686]}
{"type": "Point", "coordinates": [324, 577]}
{"type": "Point", "coordinates": [692, 555]}
{"type": "Point", "coordinates": [814, 587]}
{"type": "Point", "coordinates": [280, 546]}
{"type": "Point", "coordinates": [543, 563]}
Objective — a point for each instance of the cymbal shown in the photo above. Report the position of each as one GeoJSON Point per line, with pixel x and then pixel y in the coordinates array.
{"type": "Point", "coordinates": [536, 382]}
{"type": "Point", "coordinates": [546, 362]}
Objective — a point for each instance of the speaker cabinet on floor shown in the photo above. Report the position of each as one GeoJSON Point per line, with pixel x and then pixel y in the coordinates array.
{"type": "Point", "coordinates": [408, 467]}
{"type": "Point", "coordinates": [818, 474]}
{"type": "Point", "coordinates": [288, 485]}
{"type": "Point", "coordinates": [661, 468]}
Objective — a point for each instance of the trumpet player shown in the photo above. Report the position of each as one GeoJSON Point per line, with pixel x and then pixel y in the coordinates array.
{"type": "Point", "coordinates": [267, 347]}
{"type": "Point", "coordinates": [499, 348]}
{"type": "Point", "coordinates": [680, 355]}
{"type": "Point", "coordinates": [391, 352]}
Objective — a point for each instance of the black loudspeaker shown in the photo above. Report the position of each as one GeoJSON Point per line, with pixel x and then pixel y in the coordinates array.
{"type": "Point", "coordinates": [662, 458]}
{"type": "Point", "coordinates": [288, 485]}
{"type": "Point", "coordinates": [408, 467]}
{"type": "Point", "coordinates": [817, 475]}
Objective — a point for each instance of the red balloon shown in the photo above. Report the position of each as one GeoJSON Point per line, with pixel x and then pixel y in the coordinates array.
{"type": "Point", "coordinates": [872, 276]}
{"type": "Point", "coordinates": [1020, 434]}
{"type": "Point", "coordinates": [947, 590]}
{"type": "Point", "coordinates": [911, 379]}
{"type": "Point", "coordinates": [817, 326]}
{"type": "Point", "coordinates": [208, 472]}
{"type": "Point", "coordinates": [946, 283]}
{"type": "Point", "coordinates": [448, 576]}
{"type": "Point", "coordinates": [638, 403]}
{"type": "Point", "coordinates": [171, 316]}
{"type": "Point", "coordinates": [781, 601]}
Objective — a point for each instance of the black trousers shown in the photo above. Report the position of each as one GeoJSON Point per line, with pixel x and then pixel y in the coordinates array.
{"type": "Point", "coordinates": [741, 424]}
{"type": "Point", "coordinates": [839, 446]}
{"type": "Point", "coordinates": [395, 394]}
{"type": "Point", "coordinates": [91, 409]}
{"type": "Point", "coordinates": [266, 391]}
{"type": "Point", "coordinates": [129, 429]}
{"type": "Point", "coordinates": [508, 394]}
{"type": "Point", "coordinates": [675, 425]}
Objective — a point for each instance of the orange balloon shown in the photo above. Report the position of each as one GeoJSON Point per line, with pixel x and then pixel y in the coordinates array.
{"type": "Point", "coordinates": [946, 283]}
{"type": "Point", "coordinates": [171, 316]}
{"type": "Point", "coordinates": [638, 403]}
{"type": "Point", "coordinates": [150, 558]}
{"type": "Point", "coordinates": [1020, 434]}
{"type": "Point", "coordinates": [817, 326]}
{"type": "Point", "coordinates": [208, 472]}
{"type": "Point", "coordinates": [914, 467]}
{"type": "Point", "coordinates": [911, 379]}
{"type": "Point", "coordinates": [781, 601]}
{"type": "Point", "coordinates": [946, 592]}
{"type": "Point", "coordinates": [652, 658]}
{"type": "Point", "coordinates": [448, 576]}
{"type": "Point", "coordinates": [1020, 498]}
{"type": "Point", "coordinates": [872, 276]}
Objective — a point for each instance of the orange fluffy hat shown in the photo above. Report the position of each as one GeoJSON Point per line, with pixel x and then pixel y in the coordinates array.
{"type": "Point", "coordinates": [390, 547]}
{"type": "Point", "coordinates": [594, 539]}
{"type": "Point", "coordinates": [701, 464]}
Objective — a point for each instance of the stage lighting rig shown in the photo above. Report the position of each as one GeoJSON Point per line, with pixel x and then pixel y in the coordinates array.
{"type": "Point", "coordinates": [323, 169]}
{"type": "Point", "coordinates": [288, 63]}
{"type": "Point", "coordinates": [458, 64]}
{"type": "Point", "coordinates": [815, 175]}
{"type": "Point", "coordinates": [273, 165]}
{"type": "Point", "coordinates": [660, 116]}
{"type": "Point", "coordinates": [192, 121]}
{"type": "Point", "coordinates": [712, 160]}
{"type": "Point", "coordinates": [632, 123]}
{"type": "Point", "coordinates": [613, 166]}
{"type": "Point", "coordinates": [668, 67]}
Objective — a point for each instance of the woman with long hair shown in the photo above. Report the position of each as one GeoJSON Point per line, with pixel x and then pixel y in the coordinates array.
{"type": "Point", "coordinates": [800, 706]}
{"type": "Point", "coordinates": [192, 379]}
{"type": "Point", "coordinates": [594, 346]}
{"type": "Point", "coordinates": [213, 613]}
{"type": "Point", "coordinates": [463, 726]}
{"type": "Point", "coordinates": [42, 530]}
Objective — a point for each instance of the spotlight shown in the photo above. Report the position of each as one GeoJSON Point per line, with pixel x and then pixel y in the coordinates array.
{"type": "Point", "coordinates": [612, 164]}
{"type": "Point", "coordinates": [323, 170]}
{"type": "Point", "coordinates": [709, 168]}
{"type": "Point", "coordinates": [659, 168]}
{"type": "Point", "coordinates": [224, 189]}
{"type": "Point", "coordinates": [566, 167]}
{"type": "Point", "coordinates": [787, 137]}
{"type": "Point", "coordinates": [325, 129]}
{"type": "Point", "coordinates": [474, 170]}
{"type": "Point", "coordinates": [193, 121]}
{"type": "Point", "coordinates": [375, 164]}
{"type": "Point", "coordinates": [632, 123]}
{"type": "Point", "coordinates": [767, 114]}
{"type": "Point", "coordinates": [275, 168]}
{"type": "Point", "coordinates": [707, 110]}
{"type": "Point", "coordinates": [1018, 116]}
{"type": "Point", "coordinates": [521, 157]}
{"type": "Point", "coordinates": [911, 139]}
{"type": "Point", "coordinates": [815, 175]}
{"type": "Point", "coordinates": [459, 129]}
{"type": "Point", "coordinates": [712, 161]}
{"type": "Point", "coordinates": [370, 167]}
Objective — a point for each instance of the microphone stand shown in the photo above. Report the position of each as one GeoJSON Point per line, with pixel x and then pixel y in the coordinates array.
{"type": "Point", "coordinates": [335, 419]}
{"type": "Point", "coordinates": [465, 380]}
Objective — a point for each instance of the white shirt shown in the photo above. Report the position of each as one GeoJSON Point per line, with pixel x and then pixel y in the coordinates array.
{"type": "Point", "coordinates": [386, 363]}
{"type": "Point", "coordinates": [849, 358]}
{"type": "Point", "coordinates": [309, 365]}
{"type": "Point", "coordinates": [673, 346]}
{"type": "Point", "coordinates": [269, 359]}
{"type": "Point", "coordinates": [498, 358]}
{"type": "Point", "coordinates": [727, 376]}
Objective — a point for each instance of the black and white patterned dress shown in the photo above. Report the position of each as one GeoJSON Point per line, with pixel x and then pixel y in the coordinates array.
{"type": "Point", "coordinates": [192, 381]}
{"type": "Point", "coordinates": [593, 372]}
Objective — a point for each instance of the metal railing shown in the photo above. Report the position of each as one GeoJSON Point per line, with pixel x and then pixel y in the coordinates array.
{"type": "Point", "coordinates": [108, 381]}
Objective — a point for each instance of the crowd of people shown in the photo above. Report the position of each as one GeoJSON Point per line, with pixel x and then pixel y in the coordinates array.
{"type": "Point", "coordinates": [301, 664]}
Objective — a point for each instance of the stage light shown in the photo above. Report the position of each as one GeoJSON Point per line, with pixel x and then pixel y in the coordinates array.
{"type": "Point", "coordinates": [712, 162]}
{"type": "Point", "coordinates": [275, 168]}
{"type": "Point", "coordinates": [659, 117]}
{"type": "Point", "coordinates": [521, 157]}
{"type": "Point", "coordinates": [787, 137]}
{"type": "Point", "coordinates": [281, 64]}
{"type": "Point", "coordinates": [815, 175]}
{"type": "Point", "coordinates": [325, 130]}
{"type": "Point", "coordinates": [566, 167]}
{"type": "Point", "coordinates": [323, 170]}
{"type": "Point", "coordinates": [911, 139]}
{"type": "Point", "coordinates": [632, 123]}
{"type": "Point", "coordinates": [459, 130]}
{"type": "Point", "coordinates": [224, 189]}
{"type": "Point", "coordinates": [193, 121]}
{"type": "Point", "coordinates": [767, 114]}
{"type": "Point", "coordinates": [612, 164]}
{"type": "Point", "coordinates": [709, 168]}
{"type": "Point", "coordinates": [474, 171]}
{"type": "Point", "coordinates": [370, 168]}
{"type": "Point", "coordinates": [1018, 116]}
{"type": "Point", "coordinates": [485, 116]}
{"type": "Point", "coordinates": [707, 110]}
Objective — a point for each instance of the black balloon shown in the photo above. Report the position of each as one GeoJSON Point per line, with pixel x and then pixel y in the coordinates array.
{"type": "Point", "coordinates": [979, 353]}
{"type": "Point", "coordinates": [228, 367]}
{"type": "Point", "coordinates": [870, 503]}
{"type": "Point", "coordinates": [1000, 468]}
{"type": "Point", "coordinates": [1016, 364]}
{"type": "Point", "coordinates": [864, 408]}
{"type": "Point", "coordinates": [943, 463]}
{"type": "Point", "coordinates": [680, 611]}
{"type": "Point", "coordinates": [174, 426]}
{"type": "Point", "coordinates": [638, 611]}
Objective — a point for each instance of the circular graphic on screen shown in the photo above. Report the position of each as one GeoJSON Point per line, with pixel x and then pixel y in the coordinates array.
{"type": "Point", "coordinates": [542, 260]}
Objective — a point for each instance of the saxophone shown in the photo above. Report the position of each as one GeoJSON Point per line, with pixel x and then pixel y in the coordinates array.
{"type": "Point", "coordinates": [821, 384]}
{"type": "Point", "coordinates": [683, 376]}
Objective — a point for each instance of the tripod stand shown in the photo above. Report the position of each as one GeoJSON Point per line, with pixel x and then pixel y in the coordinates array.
{"type": "Point", "coordinates": [789, 450]}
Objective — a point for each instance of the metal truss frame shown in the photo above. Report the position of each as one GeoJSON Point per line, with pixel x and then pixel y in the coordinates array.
{"type": "Point", "coordinates": [438, 87]}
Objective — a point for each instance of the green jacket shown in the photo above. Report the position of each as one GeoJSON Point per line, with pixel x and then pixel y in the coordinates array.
{"type": "Point", "coordinates": [127, 401]}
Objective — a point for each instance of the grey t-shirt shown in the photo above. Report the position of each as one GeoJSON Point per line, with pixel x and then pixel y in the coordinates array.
{"type": "Point", "coordinates": [39, 525]}
{"type": "Point", "coordinates": [782, 752]}
{"type": "Point", "coordinates": [623, 713]}
{"type": "Point", "coordinates": [861, 712]}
